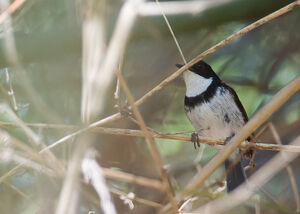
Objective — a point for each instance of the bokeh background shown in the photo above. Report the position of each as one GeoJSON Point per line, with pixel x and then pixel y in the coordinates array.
{"type": "Point", "coordinates": [48, 39]}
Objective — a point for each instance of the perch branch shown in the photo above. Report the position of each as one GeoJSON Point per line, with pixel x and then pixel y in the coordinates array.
{"type": "Point", "coordinates": [138, 133]}
{"type": "Point", "coordinates": [11, 9]}
{"type": "Point", "coordinates": [123, 176]}
{"type": "Point", "coordinates": [177, 7]}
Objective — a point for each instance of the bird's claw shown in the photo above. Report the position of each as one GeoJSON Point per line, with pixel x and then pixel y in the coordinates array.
{"type": "Point", "coordinates": [195, 140]}
{"type": "Point", "coordinates": [252, 154]}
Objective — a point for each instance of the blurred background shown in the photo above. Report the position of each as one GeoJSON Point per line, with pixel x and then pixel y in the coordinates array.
{"type": "Point", "coordinates": [47, 85]}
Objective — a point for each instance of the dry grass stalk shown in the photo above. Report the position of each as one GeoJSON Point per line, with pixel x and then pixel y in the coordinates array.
{"type": "Point", "coordinates": [171, 31]}
{"type": "Point", "coordinates": [11, 9]}
{"type": "Point", "coordinates": [93, 174]}
{"type": "Point", "coordinates": [288, 168]}
{"type": "Point", "coordinates": [138, 133]}
{"type": "Point", "coordinates": [178, 7]}
{"type": "Point", "coordinates": [116, 47]}
{"type": "Point", "coordinates": [151, 143]}
{"type": "Point", "coordinates": [94, 44]}
{"type": "Point", "coordinates": [175, 136]}
{"type": "Point", "coordinates": [147, 182]}
{"type": "Point", "coordinates": [11, 92]}
{"type": "Point", "coordinates": [93, 34]}
{"type": "Point", "coordinates": [123, 195]}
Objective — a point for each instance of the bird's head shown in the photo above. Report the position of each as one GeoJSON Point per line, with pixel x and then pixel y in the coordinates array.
{"type": "Point", "coordinates": [198, 78]}
{"type": "Point", "coordinates": [203, 69]}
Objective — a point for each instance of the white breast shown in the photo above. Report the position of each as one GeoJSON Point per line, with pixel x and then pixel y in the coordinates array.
{"type": "Point", "coordinates": [195, 84]}
{"type": "Point", "coordinates": [217, 119]}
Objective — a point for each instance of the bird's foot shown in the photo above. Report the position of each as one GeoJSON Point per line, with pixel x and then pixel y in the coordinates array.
{"type": "Point", "coordinates": [251, 153]}
{"type": "Point", "coordinates": [195, 140]}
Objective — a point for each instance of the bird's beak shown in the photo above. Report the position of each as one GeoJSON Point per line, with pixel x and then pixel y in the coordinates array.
{"type": "Point", "coordinates": [179, 65]}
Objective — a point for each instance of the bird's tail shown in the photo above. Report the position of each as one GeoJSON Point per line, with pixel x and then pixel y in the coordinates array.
{"type": "Point", "coordinates": [235, 176]}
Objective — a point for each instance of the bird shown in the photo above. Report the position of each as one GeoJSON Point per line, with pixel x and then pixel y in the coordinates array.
{"type": "Point", "coordinates": [216, 112]}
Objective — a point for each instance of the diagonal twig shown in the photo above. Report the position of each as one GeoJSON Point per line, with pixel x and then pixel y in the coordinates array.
{"type": "Point", "coordinates": [151, 143]}
{"type": "Point", "coordinates": [287, 167]}
{"type": "Point", "coordinates": [147, 182]}
{"type": "Point", "coordinates": [123, 196]}
{"type": "Point", "coordinates": [11, 9]}
{"type": "Point", "coordinates": [178, 7]}
{"type": "Point", "coordinates": [156, 134]}
{"type": "Point", "coordinates": [171, 31]}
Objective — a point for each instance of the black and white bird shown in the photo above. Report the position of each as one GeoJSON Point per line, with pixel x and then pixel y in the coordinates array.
{"type": "Point", "coordinates": [215, 111]}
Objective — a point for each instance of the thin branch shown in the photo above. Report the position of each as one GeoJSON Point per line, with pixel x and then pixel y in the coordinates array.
{"type": "Point", "coordinates": [117, 94]}
{"type": "Point", "coordinates": [271, 196]}
{"type": "Point", "coordinates": [139, 200]}
{"type": "Point", "coordinates": [171, 31]}
{"type": "Point", "coordinates": [123, 176]}
{"type": "Point", "coordinates": [30, 134]}
{"type": "Point", "coordinates": [22, 194]}
{"type": "Point", "coordinates": [155, 134]}
{"type": "Point", "coordinates": [178, 7]}
{"type": "Point", "coordinates": [9, 39]}
{"type": "Point", "coordinates": [7, 139]}
{"type": "Point", "coordinates": [10, 92]}
{"type": "Point", "coordinates": [281, 97]}
{"type": "Point", "coordinates": [50, 158]}
{"type": "Point", "coordinates": [288, 168]}
{"type": "Point", "coordinates": [151, 143]}
{"type": "Point", "coordinates": [10, 10]}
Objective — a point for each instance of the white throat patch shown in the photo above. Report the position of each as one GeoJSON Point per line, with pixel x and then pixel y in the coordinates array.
{"type": "Point", "coordinates": [195, 84]}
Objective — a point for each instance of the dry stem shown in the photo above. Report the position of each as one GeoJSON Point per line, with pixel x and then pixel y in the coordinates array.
{"type": "Point", "coordinates": [10, 10]}
{"type": "Point", "coordinates": [147, 182]}
{"type": "Point", "coordinates": [151, 143]}
{"type": "Point", "coordinates": [178, 7]}
{"type": "Point", "coordinates": [138, 133]}
{"type": "Point", "coordinates": [288, 168]}
{"type": "Point", "coordinates": [139, 200]}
